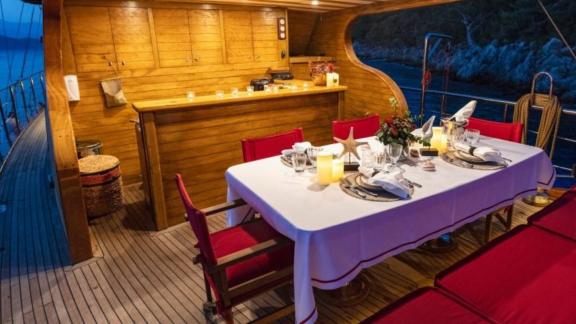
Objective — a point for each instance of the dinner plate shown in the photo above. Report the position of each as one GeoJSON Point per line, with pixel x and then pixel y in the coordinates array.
{"type": "Point", "coordinates": [362, 181]}
{"type": "Point", "coordinates": [465, 156]}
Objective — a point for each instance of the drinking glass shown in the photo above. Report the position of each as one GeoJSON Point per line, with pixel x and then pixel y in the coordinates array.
{"type": "Point", "coordinates": [190, 95]}
{"type": "Point", "coordinates": [394, 151]}
{"type": "Point", "coordinates": [299, 161]}
{"type": "Point", "coordinates": [220, 94]}
{"type": "Point", "coordinates": [312, 153]}
{"type": "Point", "coordinates": [235, 92]}
{"type": "Point", "coordinates": [472, 136]}
{"type": "Point", "coordinates": [368, 157]}
{"type": "Point", "coordinates": [267, 88]}
{"type": "Point", "coordinates": [250, 90]}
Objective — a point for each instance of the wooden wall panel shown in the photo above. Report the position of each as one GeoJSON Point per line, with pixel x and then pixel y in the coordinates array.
{"type": "Point", "coordinates": [301, 25]}
{"type": "Point", "coordinates": [239, 38]}
{"type": "Point", "coordinates": [189, 46]}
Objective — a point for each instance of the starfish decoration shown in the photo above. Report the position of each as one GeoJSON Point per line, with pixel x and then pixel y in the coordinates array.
{"type": "Point", "coordinates": [350, 145]}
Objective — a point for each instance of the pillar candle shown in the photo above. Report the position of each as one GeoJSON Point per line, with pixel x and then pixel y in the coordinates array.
{"type": "Point", "coordinates": [337, 170]}
{"type": "Point", "coordinates": [324, 167]}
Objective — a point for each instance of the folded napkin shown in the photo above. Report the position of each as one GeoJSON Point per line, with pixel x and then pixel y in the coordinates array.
{"type": "Point", "coordinates": [462, 115]}
{"type": "Point", "coordinates": [301, 147]}
{"type": "Point", "coordinates": [391, 182]}
{"type": "Point", "coordinates": [425, 133]}
{"type": "Point", "coordinates": [487, 154]}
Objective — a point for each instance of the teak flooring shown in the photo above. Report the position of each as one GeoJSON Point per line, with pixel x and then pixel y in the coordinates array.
{"type": "Point", "coordinates": [139, 275]}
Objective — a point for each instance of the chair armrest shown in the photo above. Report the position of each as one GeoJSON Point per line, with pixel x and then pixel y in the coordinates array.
{"type": "Point", "coordinates": [223, 207]}
{"type": "Point", "coordinates": [245, 254]}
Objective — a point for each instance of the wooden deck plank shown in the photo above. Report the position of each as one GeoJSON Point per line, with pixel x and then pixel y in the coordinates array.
{"type": "Point", "coordinates": [143, 276]}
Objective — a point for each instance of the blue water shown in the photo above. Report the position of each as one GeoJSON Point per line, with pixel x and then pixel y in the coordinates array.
{"type": "Point", "coordinates": [34, 63]}
{"type": "Point", "coordinates": [408, 76]}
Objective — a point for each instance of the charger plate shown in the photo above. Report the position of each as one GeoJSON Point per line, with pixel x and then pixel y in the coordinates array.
{"type": "Point", "coordinates": [355, 185]}
{"type": "Point", "coordinates": [453, 159]}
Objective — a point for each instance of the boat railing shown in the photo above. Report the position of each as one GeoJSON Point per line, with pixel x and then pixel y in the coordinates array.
{"type": "Point", "coordinates": [506, 105]}
{"type": "Point", "coordinates": [20, 102]}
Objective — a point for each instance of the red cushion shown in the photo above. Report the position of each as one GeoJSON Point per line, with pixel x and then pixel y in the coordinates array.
{"type": "Point", "coordinates": [363, 127]}
{"type": "Point", "coordinates": [529, 276]}
{"type": "Point", "coordinates": [244, 236]}
{"type": "Point", "coordinates": [426, 305]}
{"type": "Point", "coordinates": [506, 131]}
{"type": "Point", "coordinates": [265, 147]}
{"type": "Point", "coordinates": [560, 216]}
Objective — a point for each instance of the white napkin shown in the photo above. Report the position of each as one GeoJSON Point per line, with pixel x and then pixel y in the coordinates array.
{"type": "Point", "coordinates": [301, 147]}
{"type": "Point", "coordinates": [487, 154]}
{"type": "Point", "coordinates": [425, 133]}
{"type": "Point", "coordinates": [462, 115]}
{"type": "Point", "coordinates": [391, 182]}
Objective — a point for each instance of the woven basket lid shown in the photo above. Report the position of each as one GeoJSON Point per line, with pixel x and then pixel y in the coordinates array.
{"type": "Point", "coordinates": [97, 163]}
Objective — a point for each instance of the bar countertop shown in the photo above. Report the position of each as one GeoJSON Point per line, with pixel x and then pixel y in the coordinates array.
{"type": "Point", "coordinates": [212, 100]}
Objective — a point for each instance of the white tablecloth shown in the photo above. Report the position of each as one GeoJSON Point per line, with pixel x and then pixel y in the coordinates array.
{"type": "Point", "coordinates": [336, 236]}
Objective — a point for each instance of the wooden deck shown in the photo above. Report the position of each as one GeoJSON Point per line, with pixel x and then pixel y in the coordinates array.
{"type": "Point", "coordinates": [139, 275]}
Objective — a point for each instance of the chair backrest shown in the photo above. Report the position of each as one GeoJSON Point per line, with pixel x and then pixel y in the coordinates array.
{"type": "Point", "coordinates": [506, 131]}
{"type": "Point", "coordinates": [197, 220]}
{"type": "Point", "coordinates": [363, 127]}
{"type": "Point", "coordinates": [265, 147]}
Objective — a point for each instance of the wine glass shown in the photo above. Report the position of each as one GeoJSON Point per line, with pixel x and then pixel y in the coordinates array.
{"type": "Point", "coordinates": [394, 151]}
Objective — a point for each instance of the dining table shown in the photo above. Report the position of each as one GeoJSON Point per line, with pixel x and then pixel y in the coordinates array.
{"type": "Point", "coordinates": [337, 235]}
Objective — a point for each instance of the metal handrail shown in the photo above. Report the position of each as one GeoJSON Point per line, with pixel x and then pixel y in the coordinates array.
{"type": "Point", "coordinates": [11, 122]}
{"type": "Point", "coordinates": [505, 104]}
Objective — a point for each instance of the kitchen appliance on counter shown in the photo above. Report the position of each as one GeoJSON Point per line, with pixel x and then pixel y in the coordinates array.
{"type": "Point", "coordinates": [280, 74]}
{"type": "Point", "coordinates": [259, 84]}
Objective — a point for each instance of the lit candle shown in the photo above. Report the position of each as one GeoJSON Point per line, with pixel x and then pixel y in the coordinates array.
{"type": "Point", "coordinates": [337, 170]}
{"type": "Point", "coordinates": [324, 167]}
{"type": "Point", "coordinates": [437, 138]}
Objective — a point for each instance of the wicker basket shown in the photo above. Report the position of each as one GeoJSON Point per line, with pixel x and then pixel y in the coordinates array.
{"type": "Point", "coordinates": [101, 184]}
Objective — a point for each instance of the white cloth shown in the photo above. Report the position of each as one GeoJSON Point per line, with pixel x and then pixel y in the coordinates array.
{"type": "Point", "coordinates": [425, 133]}
{"type": "Point", "coordinates": [462, 115]}
{"type": "Point", "coordinates": [391, 182]}
{"type": "Point", "coordinates": [485, 153]}
{"type": "Point", "coordinates": [301, 147]}
{"type": "Point", "coordinates": [336, 235]}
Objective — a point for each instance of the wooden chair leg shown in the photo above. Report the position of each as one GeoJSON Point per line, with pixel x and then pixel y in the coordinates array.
{"type": "Point", "coordinates": [228, 317]}
{"type": "Point", "coordinates": [509, 214]}
{"type": "Point", "coordinates": [488, 228]}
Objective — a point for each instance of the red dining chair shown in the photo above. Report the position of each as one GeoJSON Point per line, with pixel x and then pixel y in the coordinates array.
{"type": "Point", "coordinates": [265, 147]}
{"type": "Point", "coordinates": [505, 131]}
{"type": "Point", "coordinates": [363, 127]}
{"type": "Point", "coordinates": [239, 262]}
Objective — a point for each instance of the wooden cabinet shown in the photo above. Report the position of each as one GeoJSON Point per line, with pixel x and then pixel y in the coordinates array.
{"type": "Point", "coordinates": [207, 37]}
{"type": "Point", "coordinates": [107, 39]}
{"type": "Point", "coordinates": [265, 36]}
{"type": "Point", "coordinates": [173, 37]}
{"type": "Point", "coordinates": [239, 37]}
{"type": "Point", "coordinates": [91, 37]}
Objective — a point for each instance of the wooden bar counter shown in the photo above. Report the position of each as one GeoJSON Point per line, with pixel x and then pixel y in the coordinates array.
{"type": "Point", "coordinates": [200, 138]}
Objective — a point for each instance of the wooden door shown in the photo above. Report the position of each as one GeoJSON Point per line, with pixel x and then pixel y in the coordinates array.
{"type": "Point", "coordinates": [91, 37]}
{"type": "Point", "coordinates": [238, 36]}
{"type": "Point", "coordinates": [132, 39]}
{"type": "Point", "coordinates": [207, 37]}
{"type": "Point", "coordinates": [265, 36]}
{"type": "Point", "coordinates": [173, 37]}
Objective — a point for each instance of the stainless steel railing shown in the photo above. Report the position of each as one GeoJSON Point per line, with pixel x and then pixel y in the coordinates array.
{"type": "Point", "coordinates": [505, 104]}
{"type": "Point", "coordinates": [20, 103]}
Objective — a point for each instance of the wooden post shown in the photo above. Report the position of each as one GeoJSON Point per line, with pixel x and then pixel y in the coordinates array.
{"type": "Point", "coordinates": [62, 143]}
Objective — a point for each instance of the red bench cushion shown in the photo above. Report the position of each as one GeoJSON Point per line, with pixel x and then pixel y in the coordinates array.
{"type": "Point", "coordinates": [560, 216]}
{"type": "Point", "coordinates": [237, 238]}
{"type": "Point", "coordinates": [426, 305]}
{"type": "Point", "coordinates": [527, 277]}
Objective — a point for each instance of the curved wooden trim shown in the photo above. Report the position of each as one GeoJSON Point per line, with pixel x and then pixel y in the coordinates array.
{"type": "Point", "coordinates": [377, 73]}
{"type": "Point", "coordinates": [61, 137]}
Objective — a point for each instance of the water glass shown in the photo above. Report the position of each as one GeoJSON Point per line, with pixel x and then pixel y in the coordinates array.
{"type": "Point", "coordinates": [267, 88]}
{"type": "Point", "coordinates": [250, 90]}
{"type": "Point", "coordinates": [472, 136]}
{"type": "Point", "coordinates": [394, 151]}
{"type": "Point", "coordinates": [190, 95]}
{"type": "Point", "coordinates": [368, 158]}
{"type": "Point", "coordinates": [220, 94]}
{"type": "Point", "coordinates": [299, 161]}
{"type": "Point", "coordinates": [312, 153]}
{"type": "Point", "coordinates": [235, 92]}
